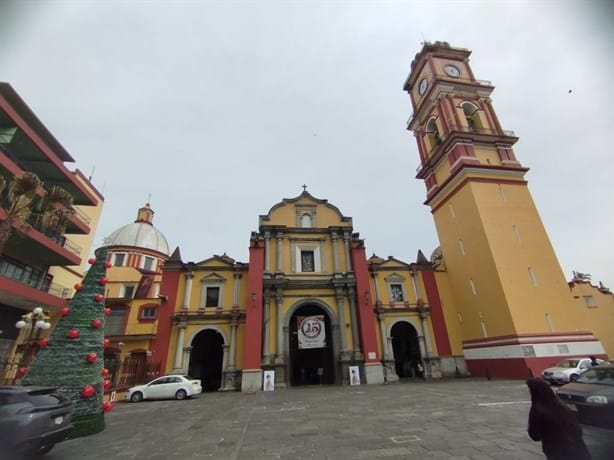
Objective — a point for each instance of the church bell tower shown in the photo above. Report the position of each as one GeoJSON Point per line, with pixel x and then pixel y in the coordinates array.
{"type": "Point", "coordinates": [515, 310]}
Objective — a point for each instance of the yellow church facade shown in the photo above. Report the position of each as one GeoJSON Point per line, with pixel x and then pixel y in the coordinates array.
{"type": "Point", "coordinates": [309, 306]}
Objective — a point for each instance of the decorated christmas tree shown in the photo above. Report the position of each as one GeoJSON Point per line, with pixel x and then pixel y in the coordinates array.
{"type": "Point", "coordinates": [72, 358]}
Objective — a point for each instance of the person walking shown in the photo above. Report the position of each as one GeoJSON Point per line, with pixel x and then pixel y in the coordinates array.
{"type": "Point", "coordinates": [554, 424]}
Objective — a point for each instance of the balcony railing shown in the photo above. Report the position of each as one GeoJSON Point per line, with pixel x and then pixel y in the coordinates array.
{"type": "Point", "coordinates": [53, 235]}
{"type": "Point", "coordinates": [59, 291]}
{"type": "Point", "coordinates": [84, 217]}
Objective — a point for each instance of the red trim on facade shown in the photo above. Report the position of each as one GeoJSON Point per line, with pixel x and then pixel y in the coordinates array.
{"type": "Point", "coordinates": [253, 324]}
{"type": "Point", "coordinates": [364, 309]}
{"type": "Point", "coordinates": [517, 338]}
{"type": "Point", "coordinates": [20, 290]}
{"type": "Point", "coordinates": [438, 319]}
{"type": "Point", "coordinates": [515, 368]}
{"type": "Point", "coordinates": [47, 151]}
{"type": "Point", "coordinates": [161, 343]}
{"type": "Point", "coordinates": [475, 179]}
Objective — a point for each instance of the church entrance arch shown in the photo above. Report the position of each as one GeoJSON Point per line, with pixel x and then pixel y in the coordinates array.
{"type": "Point", "coordinates": [206, 359]}
{"type": "Point", "coordinates": [311, 348]}
{"type": "Point", "coordinates": [406, 349]}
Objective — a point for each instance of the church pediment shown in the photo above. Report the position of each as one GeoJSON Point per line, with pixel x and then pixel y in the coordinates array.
{"type": "Point", "coordinates": [304, 211]}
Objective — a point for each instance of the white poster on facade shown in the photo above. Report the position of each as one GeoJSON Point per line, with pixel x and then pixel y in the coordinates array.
{"type": "Point", "coordinates": [311, 332]}
{"type": "Point", "coordinates": [354, 375]}
{"type": "Point", "coordinates": [268, 381]}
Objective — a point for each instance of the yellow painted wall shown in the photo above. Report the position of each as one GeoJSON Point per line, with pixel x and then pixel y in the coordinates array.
{"type": "Point", "coordinates": [476, 264]}
{"type": "Point", "coordinates": [450, 312]}
{"type": "Point", "coordinates": [68, 276]}
{"type": "Point", "coordinates": [599, 318]}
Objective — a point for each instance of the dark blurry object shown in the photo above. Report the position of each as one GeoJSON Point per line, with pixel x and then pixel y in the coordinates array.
{"type": "Point", "coordinates": [32, 419]}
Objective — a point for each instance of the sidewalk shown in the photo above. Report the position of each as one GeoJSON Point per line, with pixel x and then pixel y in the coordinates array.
{"type": "Point", "coordinates": [449, 419]}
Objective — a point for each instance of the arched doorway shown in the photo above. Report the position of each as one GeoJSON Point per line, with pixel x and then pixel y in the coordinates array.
{"type": "Point", "coordinates": [207, 358]}
{"type": "Point", "coordinates": [310, 363]}
{"type": "Point", "coordinates": [406, 349]}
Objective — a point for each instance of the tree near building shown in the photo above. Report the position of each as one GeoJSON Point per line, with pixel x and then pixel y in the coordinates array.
{"type": "Point", "coordinates": [23, 205]}
{"type": "Point", "coordinates": [73, 357]}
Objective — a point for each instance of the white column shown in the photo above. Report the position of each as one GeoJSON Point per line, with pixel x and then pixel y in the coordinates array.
{"type": "Point", "coordinates": [279, 268]}
{"type": "Point", "coordinates": [233, 345]}
{"type": "Point", "coordinates": [335, 254]}
{"type": "Point", "coordinates": [188, 290]}
{"type": "Point", "coordinates": [266, 358]}
{"type": "Point", "coordinates": [340, 312]}
{"type": "Point", "coordinates": [267, 252]}
{"type": "Point", "coordinates": [346, 243]}
{"type": "Point", "coordinates": [414, 282]}
{"type": "Point", "coordinates": [280, 330]}
{"type": "Point", "coordinates": [235, 291]}
{"type": "Point", "coordinates": [382, 331]}
{"type": "Point", "coordinates": [427, 335]}
{"type": "Point", "coordinates": [177, 365]}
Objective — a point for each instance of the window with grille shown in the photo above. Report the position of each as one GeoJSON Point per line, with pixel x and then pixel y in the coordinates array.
{"type": "Point", "coordinates": [114, 324]}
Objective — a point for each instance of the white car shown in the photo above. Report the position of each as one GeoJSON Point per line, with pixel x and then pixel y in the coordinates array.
{"type": "Point", "coordinates": [568, 370]}
{"type": "Point", "coordinates": [166, 387]}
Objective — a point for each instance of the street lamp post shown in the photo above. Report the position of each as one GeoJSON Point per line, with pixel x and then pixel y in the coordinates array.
{"type": "Point", "coordinates": [36, 321]}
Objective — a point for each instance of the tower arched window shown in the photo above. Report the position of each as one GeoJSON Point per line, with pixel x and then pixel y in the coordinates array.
{"type": "Point", "coordinates": [432, 133]}
{"type": "Point", "coordinates": [471, 116]}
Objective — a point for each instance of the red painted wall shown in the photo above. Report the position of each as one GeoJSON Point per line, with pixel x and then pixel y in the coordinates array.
{"type": "Point", "coordinates": [364, 309]}
{"type": "Point", "coordinates": [161, 344]}
{"type": "Point", "coordinates": [253, 307]}
{"type": "Point", "coordinates": [438, 319]}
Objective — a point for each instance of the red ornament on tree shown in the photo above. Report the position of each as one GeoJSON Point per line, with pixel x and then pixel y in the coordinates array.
{"type": "Point", "coordinates": [104, 372]}
{"type": "Point", "coordinates": [91, 261]}
{"type": "Point", "coordinates": [64, 311]}
{"type": "Point", "coordinates": [88, 391]}
{"type": "Point", "coordinates": [78, 287]}
{"type": "Point", "coordinates": [105, 342]}
{"type": "Point", "coordinates": [21, 372]}
{"type": "Point", "coordinates": [92, 357]}
{"type": "Point", "coordinates": [99, 298]}
{"type": "Point", "coordinates": [108, 265]}
{"type": "Point", "coordinates": [42, 343]}
{"type": "Point", "coordinates": [107, 311]}
{"type": "Point", "coordinates": [104, 280]}
{"type": "Point", "coordinates": [96, 323]}
{"type": "Point", "coordinates": [73, 334]}
{"type": "Point", "coordinates": [106, 384]}
{"type": "Point", "coordinates": [107, 406]}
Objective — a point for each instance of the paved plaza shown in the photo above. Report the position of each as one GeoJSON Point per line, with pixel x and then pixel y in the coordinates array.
{"type": "Point", "coordinates": [449, 419]}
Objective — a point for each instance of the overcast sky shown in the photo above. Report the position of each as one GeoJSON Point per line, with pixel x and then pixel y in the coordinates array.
{"type": "Point", "coordinates": [220, 110]}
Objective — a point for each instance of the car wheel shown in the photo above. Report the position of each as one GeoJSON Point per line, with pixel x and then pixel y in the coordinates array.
{"type": "Point", "coordinates": [181, 394]}
{"type": "Point", "coordinates": [136, 397]}
{"type": "Point", "coordinates": [573, 377]}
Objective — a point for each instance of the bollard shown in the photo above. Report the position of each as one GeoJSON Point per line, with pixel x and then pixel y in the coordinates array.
{"type": "Point", "coordinates": [488, 374]}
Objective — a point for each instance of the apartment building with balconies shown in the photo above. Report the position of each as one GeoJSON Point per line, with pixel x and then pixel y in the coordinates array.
{"type": "Point", "coordinates": [43, 248]}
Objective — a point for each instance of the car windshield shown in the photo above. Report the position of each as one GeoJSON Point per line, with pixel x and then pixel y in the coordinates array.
{"type": "Point", "coordinates": [603, 376]}
{"type": "Point", "coordinates": [568, 363]}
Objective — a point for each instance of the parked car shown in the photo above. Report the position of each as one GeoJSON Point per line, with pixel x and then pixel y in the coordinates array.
{"type": "Point", "coordinates": [166, 387]}
{"type": "Point", "coordinates": [592, 396]}
{"type": "Point", "coordinates": [568, 370]}
{"type": "Point", "coordinates": [33, 419]}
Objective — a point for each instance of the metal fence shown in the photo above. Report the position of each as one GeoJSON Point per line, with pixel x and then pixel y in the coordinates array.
{"type": "Point", "coordinates": [122, 373]}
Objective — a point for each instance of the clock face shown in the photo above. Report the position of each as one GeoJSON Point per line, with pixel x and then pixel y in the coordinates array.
{"type": "Point", "coordinates": [422, 86]}
{"type": "Point", "coordinates": [452, 70]}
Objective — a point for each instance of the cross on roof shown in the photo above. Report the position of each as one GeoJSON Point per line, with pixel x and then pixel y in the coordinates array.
{"type": "Point", "coordinates": [304, 188]}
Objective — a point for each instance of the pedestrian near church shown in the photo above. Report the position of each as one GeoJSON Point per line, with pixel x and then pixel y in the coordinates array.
{"type": "Point", "coordinates": [554, 424]}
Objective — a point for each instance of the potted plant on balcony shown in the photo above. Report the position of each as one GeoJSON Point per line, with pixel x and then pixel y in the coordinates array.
{"type": "Point", "coordinates": [19, 202]}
